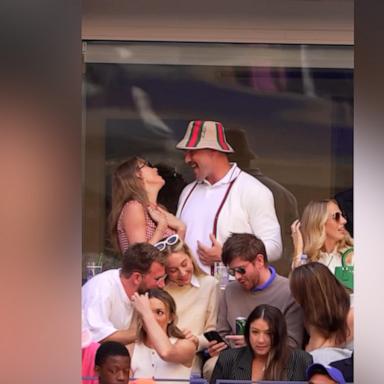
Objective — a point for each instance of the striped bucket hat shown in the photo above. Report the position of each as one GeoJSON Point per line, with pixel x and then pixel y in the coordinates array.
{"type": "Point", "coordinates": [205, 134]}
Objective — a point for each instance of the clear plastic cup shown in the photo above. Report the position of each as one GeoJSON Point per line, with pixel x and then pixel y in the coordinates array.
{"type": "Point", "coordinates": [221, 275]}
{"type": "Point", "coordinates": [93, 269]}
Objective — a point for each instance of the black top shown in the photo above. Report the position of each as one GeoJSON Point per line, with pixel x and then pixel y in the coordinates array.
{"type": "Point", "coordinates": [236, 364]}
{"type": "Point", "coordinates": [346, 368]}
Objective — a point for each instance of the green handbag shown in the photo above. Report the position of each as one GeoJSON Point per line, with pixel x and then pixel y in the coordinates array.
{"type": "Point", "coordinates": [345, 273]}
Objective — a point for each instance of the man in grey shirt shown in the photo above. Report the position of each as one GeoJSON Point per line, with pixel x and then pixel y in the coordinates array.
{"type": "Point", "coordinates": [256, 283]}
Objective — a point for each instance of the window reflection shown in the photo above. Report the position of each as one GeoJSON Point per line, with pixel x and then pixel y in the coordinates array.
{"type": "Point", "coordinates": [288, 109]}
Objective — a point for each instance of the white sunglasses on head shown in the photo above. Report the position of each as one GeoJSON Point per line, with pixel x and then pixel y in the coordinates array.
{"type": "Point", "coordinates": [171, 240]}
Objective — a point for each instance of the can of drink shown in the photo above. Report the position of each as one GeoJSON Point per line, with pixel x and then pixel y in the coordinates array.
{"type": "Point", "coordinates": [240, 325]}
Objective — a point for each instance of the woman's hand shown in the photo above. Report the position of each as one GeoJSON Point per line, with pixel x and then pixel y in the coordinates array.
{"type": "Point", "coordinates": [236, 340]}
{"type": "Point", "coordinates": [141, 304]}
{"type": "Point", "coordinates": [298, 243]}
{"type": "Point", "coordinates": [190, 336]}
{"type": "Point", "coordinates": [214, 348]}
{"type": "Point", "coordinates": [174, 222]}
{"type": "Point", "coordinates": [158, 217]}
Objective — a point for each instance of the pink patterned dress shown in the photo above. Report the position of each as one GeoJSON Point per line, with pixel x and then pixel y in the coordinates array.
{"type": "Point", "coordinates": [150, 227]}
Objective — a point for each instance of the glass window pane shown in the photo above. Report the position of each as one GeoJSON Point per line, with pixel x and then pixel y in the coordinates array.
{"type": "Point", "coordinates": [288, 110]}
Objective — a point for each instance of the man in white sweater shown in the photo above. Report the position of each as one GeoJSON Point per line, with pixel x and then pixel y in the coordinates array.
{"type": "Point", "coordinates": [106, 298]}
{"type": "Point", "coordinates": [223, 199]}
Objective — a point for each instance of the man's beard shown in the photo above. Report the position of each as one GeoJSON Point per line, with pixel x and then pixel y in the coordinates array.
{"type": "Point", "coordinates": [142, 288]}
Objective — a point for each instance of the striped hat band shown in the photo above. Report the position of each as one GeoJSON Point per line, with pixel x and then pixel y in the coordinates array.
{"type": "Point", "coordinates": [205, 134]}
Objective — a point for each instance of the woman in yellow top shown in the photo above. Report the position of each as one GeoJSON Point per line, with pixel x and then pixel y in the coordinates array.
{"type": "Point", "coordinates": [195, 292]}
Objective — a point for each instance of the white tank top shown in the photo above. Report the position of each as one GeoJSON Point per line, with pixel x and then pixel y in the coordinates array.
{"type": "Point", "coordinates": [146, 363]}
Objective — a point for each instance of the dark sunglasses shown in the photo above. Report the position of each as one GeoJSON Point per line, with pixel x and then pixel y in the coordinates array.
{"type": "Point", "coordinates": [337, 216]}
{"type": "Point", "coordinates": [171, 240]}
{"type": "Point", "coordinates": [145, 163]}
{"type": "Point", "coordinates": [239, 270]}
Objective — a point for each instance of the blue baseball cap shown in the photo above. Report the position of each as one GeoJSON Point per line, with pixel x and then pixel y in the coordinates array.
{"type": "Point", "coordinates": [332, 372]}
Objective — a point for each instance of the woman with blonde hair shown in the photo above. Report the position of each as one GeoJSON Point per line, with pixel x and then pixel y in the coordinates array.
{"type": "Point", "coordinates": [195, 292]}
{"type": "Point", "coordinates": [162, 350]}
{"type": "Point", "coordinates": [135, 215]}
{"type": "Point", "coordinates": [321, 235]}
{"type": "Point", "coordinates": [328, 316]}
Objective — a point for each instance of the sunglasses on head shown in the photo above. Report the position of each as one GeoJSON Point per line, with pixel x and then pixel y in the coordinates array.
{"type": "Point", "coordinates": [145, 163]}
{"type": "Point", "coordinates": [171, 240]}
{"type": "Point", "coordinates": [337, 216]}
{"type": "Point", "coordinates": [239, 270]}
{"type": "Point", "coordinates": [160, 278]}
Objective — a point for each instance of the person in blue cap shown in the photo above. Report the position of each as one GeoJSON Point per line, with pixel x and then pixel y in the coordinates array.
{"type": "Point", "coordinates": [324, 374]}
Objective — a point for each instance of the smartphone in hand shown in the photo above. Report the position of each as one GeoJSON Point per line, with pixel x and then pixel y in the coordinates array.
{"type": "Point", "coordinates": [214, 335]}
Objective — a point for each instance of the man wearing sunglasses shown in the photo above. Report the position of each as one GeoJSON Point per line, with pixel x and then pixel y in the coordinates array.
{"type": "Point", "coordinates": [108, 311]}
{"type": "Point", "coordinates": [256, 283]}
{"type": "Point", "coordinates": [223, 199]}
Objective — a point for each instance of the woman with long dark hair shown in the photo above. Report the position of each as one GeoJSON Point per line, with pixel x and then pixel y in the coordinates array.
{"type": "Point", "coordinates": [267, 355]}
{"type": "Point", "coordinates": [328, 316]}
{"type": "Point", "coordinates": [135, 215]}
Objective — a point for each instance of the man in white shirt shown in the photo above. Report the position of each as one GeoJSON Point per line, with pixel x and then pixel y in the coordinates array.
{"type": "Point", "coordinates": [223, 199]}
{"type": "Point", "coordinates": [106, 303]}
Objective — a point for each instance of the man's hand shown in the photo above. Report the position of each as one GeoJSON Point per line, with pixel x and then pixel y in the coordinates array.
{"type": "Point", "coordinates": [209, 255]}
{"type": "Point", "coordinates": [236, 340]}
{"type": "Point", "coordinates": [214, 348]}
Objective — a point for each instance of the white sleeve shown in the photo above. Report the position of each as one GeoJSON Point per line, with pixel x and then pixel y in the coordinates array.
{"type": "Point", "coordinates": [263, 219]}
{"type": "Point", "coordinates": [97, 309]}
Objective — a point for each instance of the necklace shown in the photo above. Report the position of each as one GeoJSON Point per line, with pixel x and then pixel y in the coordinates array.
{"type": "Point", "coordinates": [327, 257]}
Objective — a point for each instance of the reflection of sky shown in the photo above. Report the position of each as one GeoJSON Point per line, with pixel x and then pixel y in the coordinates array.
{"type": "Point", "coordinates": [284, 124]}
